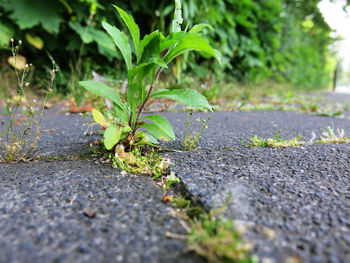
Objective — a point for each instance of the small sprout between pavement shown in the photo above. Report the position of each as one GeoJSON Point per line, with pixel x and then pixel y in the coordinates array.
{"type": "Point", "coordinates": [275, 142]}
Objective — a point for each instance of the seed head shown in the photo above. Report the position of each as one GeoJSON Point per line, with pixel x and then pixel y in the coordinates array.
{"type": "Point", "coordinates": [20, 42]}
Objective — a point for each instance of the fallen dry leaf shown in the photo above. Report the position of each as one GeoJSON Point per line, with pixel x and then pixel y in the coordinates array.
{"type": "Point", "coordinates": [74, 109]}
{"type": "Point", "coordinates": [167, 198]}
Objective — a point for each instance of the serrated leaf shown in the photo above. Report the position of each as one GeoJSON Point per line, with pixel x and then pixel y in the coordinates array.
{"type": "Point", "coordinates": [81, 31]}
{"type": "Point", "coordinates": [105, 44]}
{"type": "Point", "coordinates": [112, 136]}
{"type": "Point", "coordinates": [186, 96]}
{"type": "Point", "coordinates": [133, 28]}
{"type": "Point", "coordinates": [121, 42]}
{"type": "Point", "coordinates": [99, 118]}
{"type": "Point", "coordinates": [198, 28]}
{"type": "Point", "coordinates": [27, 15]}
{"type": "Point", "coordinates": [156, 131]}
{"type": "Point", "coordinates": [101, 89]}
{"type": "Point", "coordinates": [191, 42]}
{"type": "Point", "coordinates": [163, 123]}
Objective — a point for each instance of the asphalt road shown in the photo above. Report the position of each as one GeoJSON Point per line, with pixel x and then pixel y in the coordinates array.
{"type": "Point", "coordinates": [294, 202]}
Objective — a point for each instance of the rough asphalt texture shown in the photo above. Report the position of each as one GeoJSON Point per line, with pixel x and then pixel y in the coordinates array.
{"type": "Point", "coordinates": [42, 215]}
{"type": "Point", "coordinates": [294, 202]}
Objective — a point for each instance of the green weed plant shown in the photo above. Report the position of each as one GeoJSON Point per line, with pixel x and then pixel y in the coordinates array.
{"type": "Point", "coordinates": [276, 142]}
{"type": "Point", "coordinates": [19, 135]}
{"type": "Point", "coordinates": [152, 55]}
{"type": "Point", "coordinates": [332, 136]}
{"type": "Point", "coordinates": [191, 136]}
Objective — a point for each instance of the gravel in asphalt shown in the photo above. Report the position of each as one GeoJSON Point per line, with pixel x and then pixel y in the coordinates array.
{"type": "Point", "coordinates": [77, 211]}
{"type": "Point", "coordinates": [295, 202]}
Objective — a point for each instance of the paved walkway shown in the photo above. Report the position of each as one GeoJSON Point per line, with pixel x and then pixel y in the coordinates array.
{"type": "Point", "coordinates": [294, 202]}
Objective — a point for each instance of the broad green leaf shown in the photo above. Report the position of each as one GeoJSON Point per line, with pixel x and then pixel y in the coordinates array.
{"type": "Point", "coordinates": [149, 139]}
{"type": "Point", "coordinates": [143, 69]}
{"type": "Point", "coordinates": [155, 130]}
{"type": "Point", "coordinates": [111, 136]}
{"type": "Point", "coordinates": [147, 38]}
{"type": "Point", "coordinates": [99, 118]}
{"type": "Point", "coordinates": [29, 13]}
{"type": "Point", "coordinates": [163, 123]}
{"type": "Point", "coordinates": [133, 28]}
{"type": "Point", "coordinates": [105, 44]}
{"type": "Point", "coordinates": [81, 31]}
{"type": "Point", "coordinates": [186, 96]}
{"type": "Point", "coordinates": [5, 35]}
{"type": "Point", "coordinates": [191, 42]}
{"type": "Point", "coordinates": [121, 114]}
{"type": "Point", "coordinates": [121, 42]}
{"type": "Point", "coordinates": [170, 40]}
{"type": "Point", "coordinates": [101, 89]}
{"type": "Point", "coordinates": [198, 28]}
{"type": "Point", "coordinates": [151, 48]}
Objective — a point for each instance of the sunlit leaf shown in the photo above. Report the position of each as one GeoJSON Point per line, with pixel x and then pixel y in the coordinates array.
{"type": "Point", "coordinates": [191, 42]}
{"type": "Point", "coordinates": [112, 136]}
{"type": "Point", "coordinates": [133, 28]}
{"type": "Point", "coordinates": [163, 123]}
{"type": "Point", "coordinates": [101, 89]}
{"type": "Point", "coordinates": [121, 42]}
{"type": "Point", "coordinates": [186, 96]}
{"type": "Point", "coordinates": [99, 118]}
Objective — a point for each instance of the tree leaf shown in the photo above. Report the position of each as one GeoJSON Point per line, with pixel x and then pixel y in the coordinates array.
{"type": "Point", "coordinates": [29, 14]}
{"type": "Point", "coordinates": [103, 90]}
{"type": "Point", "coordinates": [133, 28]}
{"type": "Point", "coordinates": [163, 123]}
{"type": "Point", "coordinates": [81, 31]}
{"type": "Point", "coordinates": [99, 118]}
{"type": "Point", "coordinates": [186, 96]}
{"type": "Point", "coordinates": [121, 42]}
{"type": "Point", "coordinates": [191, 42]}
{"type": "Point", "coordinates": [112, 136]}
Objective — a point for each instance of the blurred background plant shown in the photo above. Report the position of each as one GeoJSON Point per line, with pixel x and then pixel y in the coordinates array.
{"type": "Point", "coordinates": [20, 131]}
{"type": "Point", "coordinates": [271, 41]}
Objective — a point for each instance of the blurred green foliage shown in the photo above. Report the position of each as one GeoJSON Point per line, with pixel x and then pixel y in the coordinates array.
{"type": "Point", "coordinates": [280, 40]}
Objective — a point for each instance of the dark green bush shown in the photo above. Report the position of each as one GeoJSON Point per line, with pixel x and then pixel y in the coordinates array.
{"type": "Point", "coordinates": [282, 40]}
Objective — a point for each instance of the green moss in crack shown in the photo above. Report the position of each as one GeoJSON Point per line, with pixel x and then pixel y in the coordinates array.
{"type": "Point", "coordinates": [210, 235]}
{"type": "Point", "coordinates": [275, 142]}
{"type": "Point", "coordinates": [332, 136]}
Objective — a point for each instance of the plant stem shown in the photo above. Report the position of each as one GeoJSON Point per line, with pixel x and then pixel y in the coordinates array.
{"type": "Point", "coordinates": [146, 100]}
